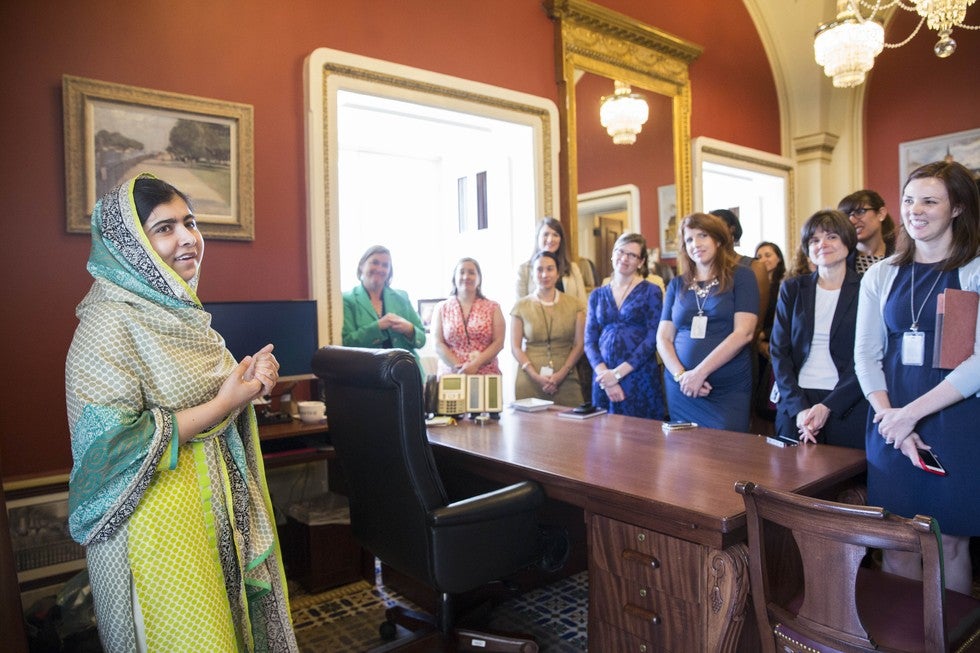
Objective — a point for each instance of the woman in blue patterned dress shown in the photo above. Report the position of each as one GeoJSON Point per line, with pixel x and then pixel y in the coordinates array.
{"type": "Point", "coordinates": [707, 325]}
{"type": "Point", "coordinates": [914, 403]}
{"type": "Point", "coordinates": [621, 335]}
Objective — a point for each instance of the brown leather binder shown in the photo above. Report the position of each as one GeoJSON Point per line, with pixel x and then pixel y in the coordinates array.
{"type": "Point", "coordinates": [956, 325]}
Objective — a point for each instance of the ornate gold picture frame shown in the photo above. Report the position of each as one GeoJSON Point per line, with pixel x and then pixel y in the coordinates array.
{"type": "Point", "coordinates": [201, 146]}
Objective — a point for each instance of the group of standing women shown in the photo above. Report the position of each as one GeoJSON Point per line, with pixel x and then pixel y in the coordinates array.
{"type": "Point", "coordinates": [551, 327]}
{"type": "Point", "coordinates": [853, 355]}
{"type": "Point", "coordinates": [165, 442]}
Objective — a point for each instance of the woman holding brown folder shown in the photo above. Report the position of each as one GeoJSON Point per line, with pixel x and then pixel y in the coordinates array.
{"type": "Point", "coordinates": [916, 405]}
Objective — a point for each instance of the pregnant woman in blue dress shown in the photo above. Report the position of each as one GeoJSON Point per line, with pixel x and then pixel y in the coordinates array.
{"type": "Point", "coordinates": [621, 335]}
{"type": "Point", "coordinates": [707, 325]}
{"type": "Point", "coordinates": [914, 404]}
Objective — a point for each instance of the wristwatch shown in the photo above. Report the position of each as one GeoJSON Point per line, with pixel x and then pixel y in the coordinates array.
{"type": "Point", "coordinates": [678, 375]}
{"type": "Point", "coordinates": [617, 375]}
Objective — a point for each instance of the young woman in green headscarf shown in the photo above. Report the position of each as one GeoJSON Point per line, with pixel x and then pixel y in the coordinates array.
{"type": "Point", "coordinates": [168, 491]}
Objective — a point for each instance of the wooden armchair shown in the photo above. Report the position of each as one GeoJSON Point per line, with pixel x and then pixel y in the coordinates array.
{"type": "Point", "coordinates": [842, 606]}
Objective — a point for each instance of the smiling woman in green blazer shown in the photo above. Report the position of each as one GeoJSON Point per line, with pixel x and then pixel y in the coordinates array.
{"type": "Point", "coordinates": [378, 316]}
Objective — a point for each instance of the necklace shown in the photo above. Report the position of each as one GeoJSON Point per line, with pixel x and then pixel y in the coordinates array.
{"type": "Point", "coordinates": [378, 305]}
{"type": "Point", "coordinates": [546, 303]}
{"type": "Point", "coordinates": [915, 313]}
{"type": "Point", "coordinates": [701, 290]}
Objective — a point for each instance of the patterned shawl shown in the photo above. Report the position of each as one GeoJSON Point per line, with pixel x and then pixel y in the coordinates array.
{"type": "Point", "coordinates": [190, 524]}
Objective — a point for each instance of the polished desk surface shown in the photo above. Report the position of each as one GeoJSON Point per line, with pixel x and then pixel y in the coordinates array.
{"type": "Point", "coordinates": [294, 443]}
{"type": "Point", "coordinates": [291, 430]}
{"type": "Point", "coordinates": [681, 482]}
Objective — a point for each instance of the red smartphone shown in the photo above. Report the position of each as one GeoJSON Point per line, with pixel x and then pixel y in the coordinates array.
{"type": "Point", "coordinates": [930, 463]}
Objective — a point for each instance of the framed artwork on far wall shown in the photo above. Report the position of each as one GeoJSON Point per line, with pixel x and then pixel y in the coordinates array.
{"type": "Point", "coordinates": [425, 308]}
{"type": "Point", "coordinates": [667, 203]}
{"type": "Point", "coordinates": [962, 147]}
{"type": "Point", "coordinates": [43, 548]}
{"type": "Point", "coordinates": [203, 147]}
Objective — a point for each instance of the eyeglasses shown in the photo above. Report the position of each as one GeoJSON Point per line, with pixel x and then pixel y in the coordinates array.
{"type": "Point", "coordinates": [624, 254]}
{"type": "Point", "coordinates": [861, 210]}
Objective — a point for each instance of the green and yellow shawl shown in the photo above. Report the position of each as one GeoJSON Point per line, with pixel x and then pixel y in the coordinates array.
{"type": "Point", "coordinates": [181, 542]}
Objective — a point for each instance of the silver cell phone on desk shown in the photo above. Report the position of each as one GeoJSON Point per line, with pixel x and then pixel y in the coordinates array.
{"type": "Point", "coordinates": [679, 426]}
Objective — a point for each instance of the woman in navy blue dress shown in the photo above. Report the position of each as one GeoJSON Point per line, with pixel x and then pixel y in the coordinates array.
{"type": "Point", "coordinates": [621, 335]}
{"type": "Point", "coordinates": [706, 329]}
{"type": "Point", "coordinates": [914, 403]}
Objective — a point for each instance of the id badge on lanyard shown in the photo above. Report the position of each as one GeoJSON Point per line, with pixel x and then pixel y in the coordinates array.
{"type": "Point", "coordinates": [913, 348]}
{"type": "Point", "coordinates": [699, 327]}
{"type": "Point", "coordinates": [913, 340]}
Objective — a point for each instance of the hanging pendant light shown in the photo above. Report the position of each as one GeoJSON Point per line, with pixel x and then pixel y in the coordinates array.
{"type": "Point", "coordinates": [943, 16]}
{"type": "Point", "coordinates": [847, 47]}
{"type": "Point", "coordinates": [623, 114]}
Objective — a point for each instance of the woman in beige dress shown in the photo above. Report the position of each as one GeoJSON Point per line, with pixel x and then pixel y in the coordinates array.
{"type": "Point", "coordinates": [548, 337]}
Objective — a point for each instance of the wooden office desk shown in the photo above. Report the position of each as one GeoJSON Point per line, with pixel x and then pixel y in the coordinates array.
{"type": "Point", "coordinates": [667, 562]}
{"type": "Point", "coordinates": [294, 443]}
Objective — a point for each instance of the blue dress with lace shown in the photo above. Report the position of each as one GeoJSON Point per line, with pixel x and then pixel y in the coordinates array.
{"type": "Point", "coordinates": [628, 333]}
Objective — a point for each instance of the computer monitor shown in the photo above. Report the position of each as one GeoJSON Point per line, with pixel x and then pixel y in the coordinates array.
{"type": "Point", "coordinates": [289, 325]}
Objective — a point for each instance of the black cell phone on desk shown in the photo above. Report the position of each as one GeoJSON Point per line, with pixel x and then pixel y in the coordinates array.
{"type": "Point", "coordinates": [584, 409]}
{"type": "Point", "coordinates": [930, 462]}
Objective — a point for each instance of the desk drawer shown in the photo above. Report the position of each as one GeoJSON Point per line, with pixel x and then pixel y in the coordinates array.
{"type": "Point", "coordinates": [657, 560]}
{"type": "Point", "coordinates": [654, 617]}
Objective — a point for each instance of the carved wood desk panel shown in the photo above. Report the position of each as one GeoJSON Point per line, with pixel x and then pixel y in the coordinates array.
{"type": "Point", "coordinates": [667, 562]}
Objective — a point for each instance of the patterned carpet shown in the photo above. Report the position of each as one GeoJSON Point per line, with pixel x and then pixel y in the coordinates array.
{"type": "Point", "coordinates": [346, 619]}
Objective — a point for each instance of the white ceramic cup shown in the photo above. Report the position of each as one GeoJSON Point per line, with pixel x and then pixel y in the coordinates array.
{"type": "Point", "coordinates": [311, 412]}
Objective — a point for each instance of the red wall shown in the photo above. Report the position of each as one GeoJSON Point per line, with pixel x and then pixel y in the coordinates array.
{"type": "Point", "coordinates": [913, 94]}
{"type": "Point", "coordinates": [252, 51]}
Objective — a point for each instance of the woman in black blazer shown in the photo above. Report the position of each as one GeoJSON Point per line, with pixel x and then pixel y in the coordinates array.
{"type": "Point", "coordinates": [812, 343]}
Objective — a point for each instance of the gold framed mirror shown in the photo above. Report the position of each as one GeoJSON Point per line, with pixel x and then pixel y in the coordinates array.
{"type": "Point", "coordinates": [594, 40]}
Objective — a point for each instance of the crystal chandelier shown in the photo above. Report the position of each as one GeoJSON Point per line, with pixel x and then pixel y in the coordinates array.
{"type": "Point", "coordinates": [846, 47]}
{"type": "Point", "coordinates": [623, 114]}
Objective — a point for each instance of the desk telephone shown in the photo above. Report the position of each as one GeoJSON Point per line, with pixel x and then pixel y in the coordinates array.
{"type": "Point", "coordinates": [456, 394]}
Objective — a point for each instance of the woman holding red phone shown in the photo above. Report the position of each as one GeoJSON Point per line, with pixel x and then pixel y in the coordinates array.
{"type": "Point", "coordinates": [915, 405]}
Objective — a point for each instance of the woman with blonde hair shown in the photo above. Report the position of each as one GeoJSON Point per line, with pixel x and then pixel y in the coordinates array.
{"type": "Point", "coordinates": [378, 316]}
{"type": "Point", "coordinates": [706, 328]}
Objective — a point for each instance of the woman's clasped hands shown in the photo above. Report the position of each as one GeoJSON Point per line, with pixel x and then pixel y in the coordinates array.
{"type": "Point", "coordinates": [810, 421]}
{"type": "Point", "coordinates": [254, 376]}
{"type": "Point", "coordinates": [610, 384]}
{"type": "Point", "coordinates": [396, 323]}
{"type": "Point", "coordinates": [694, 384]}
{"type": "Point", "coordinates": [549, 383]}
{"type": "Point", "coordinates": [896, 426]}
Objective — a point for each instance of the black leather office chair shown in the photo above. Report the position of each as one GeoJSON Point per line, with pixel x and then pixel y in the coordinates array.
{"type": "Point", "coordinates": [399, 508]}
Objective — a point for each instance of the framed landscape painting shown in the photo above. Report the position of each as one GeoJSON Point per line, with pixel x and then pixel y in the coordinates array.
{"type": "Point", "coordinates": [962, 147]}
{"type": "Point", "coordinates": [201, 146]}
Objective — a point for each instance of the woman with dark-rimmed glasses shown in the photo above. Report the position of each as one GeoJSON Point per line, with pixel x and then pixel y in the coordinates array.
{"type": "Point", "coordinates": [875, 227]}
{"type": "Point", "coordinates": [621, 335]}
